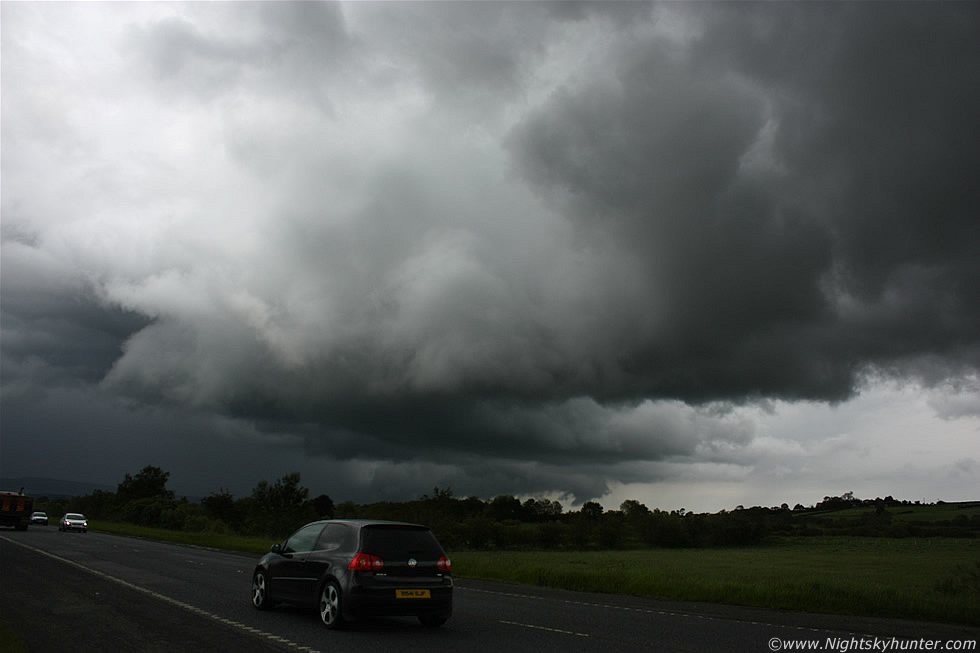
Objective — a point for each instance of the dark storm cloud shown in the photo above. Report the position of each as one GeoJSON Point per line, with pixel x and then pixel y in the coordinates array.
{"type": "Point", "coordinates": [513, 247]}
{"type": "Point", "coordinates": [55, 329]}
{"type": "Point", "coordinates": [796, 185]}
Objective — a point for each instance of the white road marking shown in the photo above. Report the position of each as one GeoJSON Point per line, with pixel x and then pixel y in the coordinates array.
{"type": "Point", "coordinates": [180, 604]}
{"type": "Point", "coordinates": [550, 630]}
{"type": "Point", "coordinates": [666, 613]}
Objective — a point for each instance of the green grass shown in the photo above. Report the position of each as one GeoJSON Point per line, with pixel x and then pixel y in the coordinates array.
{"type": "Point", "coordinates": [931, 579]}
{"type": "Point", "coordinates": [924, 513]}
{"type": "Point", "coordinates": [224, 541]}
{"type": "Point", "coordinates": [939, 512]}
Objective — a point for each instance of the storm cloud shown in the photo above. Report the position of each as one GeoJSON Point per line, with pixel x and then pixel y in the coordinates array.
{"type": "Point", "coordinates": [521, 248]}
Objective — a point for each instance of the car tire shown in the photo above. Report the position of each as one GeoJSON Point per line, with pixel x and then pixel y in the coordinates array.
{"type": "Point", "coordinates": [432, 621]}
{"type": "Point", "coordinates": [331, 606]}
{"type": "Point", "coordinates": [260, 591]}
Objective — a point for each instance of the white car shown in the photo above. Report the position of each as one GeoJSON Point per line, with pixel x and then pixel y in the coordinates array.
{"type": "Point", "coordinates": [39, 518]}
{"type": "Point", "coordinates": [73, 521]}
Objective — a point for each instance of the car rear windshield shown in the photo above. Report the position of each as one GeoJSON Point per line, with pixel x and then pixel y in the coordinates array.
{"type": "Point", "coordinates": [400, 541]}
{"type": "Point", "coordinates": [73, 516]}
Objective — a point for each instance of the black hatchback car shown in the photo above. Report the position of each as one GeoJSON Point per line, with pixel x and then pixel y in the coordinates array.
{"type": "Point", "coordinates": [351, 569]}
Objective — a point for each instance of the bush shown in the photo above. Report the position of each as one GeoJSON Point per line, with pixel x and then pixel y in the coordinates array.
{"type": "Point", "coordinates": [551, 534]}
{"type": "Point", "coordinates": [144, 512]}
{"type": "Point", "coordinates": [196, 523]}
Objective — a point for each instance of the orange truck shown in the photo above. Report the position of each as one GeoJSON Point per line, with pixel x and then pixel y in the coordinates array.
{"type": "Point", "coordinates": [15, 510]}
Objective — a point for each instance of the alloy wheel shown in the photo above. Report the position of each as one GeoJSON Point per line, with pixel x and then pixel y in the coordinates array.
{"type": "Point", "coordinates": [259, 591]}
{"type": "Point", "coordinates": [330, 606]}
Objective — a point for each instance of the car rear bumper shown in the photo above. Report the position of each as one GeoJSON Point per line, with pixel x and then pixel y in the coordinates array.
{"type": "Point", "coordinates": [383, 601]}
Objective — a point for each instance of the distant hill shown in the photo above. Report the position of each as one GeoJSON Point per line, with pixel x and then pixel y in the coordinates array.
{"type": "Point", "coordinates": [52, 487]}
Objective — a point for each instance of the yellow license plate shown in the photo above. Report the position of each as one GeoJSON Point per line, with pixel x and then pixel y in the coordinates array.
{"type": "Point", "coordinates": [412, 594]}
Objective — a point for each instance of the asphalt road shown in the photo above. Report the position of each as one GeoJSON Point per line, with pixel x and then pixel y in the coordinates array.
{"type": "Point", "coordinates": [98, 592]}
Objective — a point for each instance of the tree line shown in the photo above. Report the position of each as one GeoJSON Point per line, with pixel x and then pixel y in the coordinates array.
{"type": "Point", "coordinates": [143, 499]}
{"type": "Point", "coordinates": [504, 522]}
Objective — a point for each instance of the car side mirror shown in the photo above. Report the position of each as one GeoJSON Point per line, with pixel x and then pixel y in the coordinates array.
{"type": "Point", "coordinates": [276, 548]}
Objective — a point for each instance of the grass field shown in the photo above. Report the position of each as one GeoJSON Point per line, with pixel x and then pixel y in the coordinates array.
{"type": "Point", "coordinates": [934, 579]}
{"type": "Point", "coordinates": [256, 545]}
{"type": "Point", "coordinates": [913, 513]}
{"type": "Point", "coordinates": [931, 579]}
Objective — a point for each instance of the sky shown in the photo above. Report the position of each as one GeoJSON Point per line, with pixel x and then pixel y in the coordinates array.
{"type": "Point", "coordinates": [698, 255]}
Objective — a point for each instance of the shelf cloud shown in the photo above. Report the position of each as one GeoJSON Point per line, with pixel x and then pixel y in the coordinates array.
{"type": "Point", "coordinates": [511, 248]}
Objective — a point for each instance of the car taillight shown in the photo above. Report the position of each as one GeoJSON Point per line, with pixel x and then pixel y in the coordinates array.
{"type": "Point", "coordinates": [366, 562]}
{"type": "Point", "coordinates": [444, 564]}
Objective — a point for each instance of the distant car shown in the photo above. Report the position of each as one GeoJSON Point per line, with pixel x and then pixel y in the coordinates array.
{"type": "Point", "coordinates": [351, 569]}
{"type": "Point", "coordinates": [39, 518]}
{"type": "Point", "coordinates": [73, 521]}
